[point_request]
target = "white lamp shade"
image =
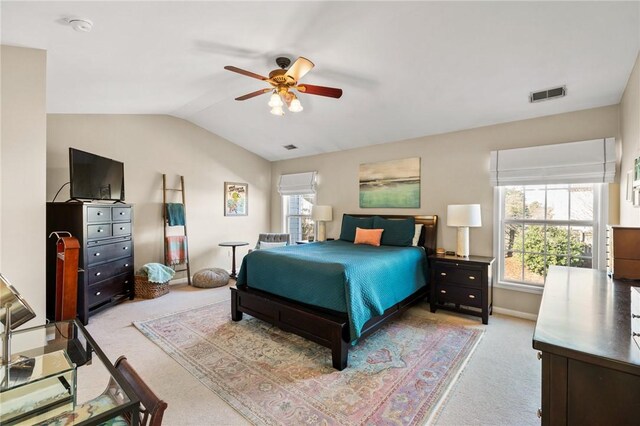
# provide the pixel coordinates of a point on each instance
(464, 215)
(322, 213)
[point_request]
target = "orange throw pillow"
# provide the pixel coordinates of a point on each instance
(368, 236)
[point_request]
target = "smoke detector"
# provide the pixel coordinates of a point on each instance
(81, 25)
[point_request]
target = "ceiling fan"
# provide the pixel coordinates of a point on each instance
(283, 81)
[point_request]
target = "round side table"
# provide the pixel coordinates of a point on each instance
(233, 245)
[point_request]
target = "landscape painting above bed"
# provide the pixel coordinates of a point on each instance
(390, 184)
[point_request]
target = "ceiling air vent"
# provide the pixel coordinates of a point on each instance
(290, 147)
(548, 94)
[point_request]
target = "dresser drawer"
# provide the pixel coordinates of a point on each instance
(98, 231)
(107, 270)
(121, 213)
(121, 229)
(105, 290)
(98, 214)
(446, 273)
(108, 252)
(459, 295)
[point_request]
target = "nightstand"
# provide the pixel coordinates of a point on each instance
(463, 284)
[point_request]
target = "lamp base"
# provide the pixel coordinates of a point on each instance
(462, 249)
(321, 231)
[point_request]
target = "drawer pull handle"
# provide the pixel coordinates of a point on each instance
(98, 293)
(125, 248)
(635, 316)
(471, 296)
(100, 229)
(126, 264)
(126, 282)
(539, 355)
(539, 413)
(472, 278)
(99, 213)
(122, 228)
(98, 274)
(444, 274)
(443, 291)
(96, 254)
(121, 213)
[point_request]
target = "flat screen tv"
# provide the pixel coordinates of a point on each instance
(95, 178)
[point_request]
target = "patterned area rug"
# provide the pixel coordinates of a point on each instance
(397, 376)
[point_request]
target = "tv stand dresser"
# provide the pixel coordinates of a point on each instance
(105, 266)
(590, 360)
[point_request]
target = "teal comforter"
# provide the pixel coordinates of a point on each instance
(359, 280)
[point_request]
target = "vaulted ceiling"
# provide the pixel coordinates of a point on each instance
(407, 69)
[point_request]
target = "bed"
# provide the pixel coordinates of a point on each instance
(335, 292)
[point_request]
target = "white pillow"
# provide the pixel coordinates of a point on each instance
(416, 235)
(264, 245)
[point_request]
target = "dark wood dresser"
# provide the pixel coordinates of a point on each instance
(105, 234)
(462, 284)
(590, 361)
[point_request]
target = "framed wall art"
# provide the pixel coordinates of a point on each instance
(236, 199)
(391, 184)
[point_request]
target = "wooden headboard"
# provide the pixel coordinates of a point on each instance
(428, 235)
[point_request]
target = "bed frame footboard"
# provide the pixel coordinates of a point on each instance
(329, 329)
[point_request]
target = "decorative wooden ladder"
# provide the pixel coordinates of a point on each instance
(165, 218)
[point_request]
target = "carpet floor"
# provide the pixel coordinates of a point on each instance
(397, 376)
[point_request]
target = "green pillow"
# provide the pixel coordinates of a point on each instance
(349, 224)
(397, 232)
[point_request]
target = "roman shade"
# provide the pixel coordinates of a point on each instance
(297, 184)
(592, 161)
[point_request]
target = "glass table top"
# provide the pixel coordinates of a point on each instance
(59, 376)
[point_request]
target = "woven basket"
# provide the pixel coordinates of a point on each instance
(147, 290)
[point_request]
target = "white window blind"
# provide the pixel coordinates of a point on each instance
(592, 161)
(297, 184)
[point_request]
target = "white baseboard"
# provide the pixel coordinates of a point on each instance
(517, 314)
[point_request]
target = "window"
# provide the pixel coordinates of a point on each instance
(297, 216)
(298, 192)
(544, 225)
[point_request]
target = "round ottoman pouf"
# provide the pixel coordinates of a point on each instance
(211, 277)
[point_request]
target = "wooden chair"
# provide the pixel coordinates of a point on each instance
(152, 408)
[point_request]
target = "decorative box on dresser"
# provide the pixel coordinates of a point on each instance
(590, 360)
(461, 283)
(623, 252)
(105, 266)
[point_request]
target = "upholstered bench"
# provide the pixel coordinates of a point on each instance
(210, 277)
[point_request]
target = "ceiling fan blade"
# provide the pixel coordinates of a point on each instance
(310, 89)
(253, 94)
(243, 72)
(299, 68)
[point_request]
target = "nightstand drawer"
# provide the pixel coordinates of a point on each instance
(446, 273)
(459, 295)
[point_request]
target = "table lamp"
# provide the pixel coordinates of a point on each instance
(321, 214)
(14, 311)
(463, 216)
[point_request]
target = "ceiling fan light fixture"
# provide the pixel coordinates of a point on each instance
(277, 110)
(295, 105)
(275, 101)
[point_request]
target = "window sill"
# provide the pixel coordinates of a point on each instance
(525, 288)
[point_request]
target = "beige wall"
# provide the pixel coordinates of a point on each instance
(22, 171)
(455, 170)
(630, 136)
(150, 145)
